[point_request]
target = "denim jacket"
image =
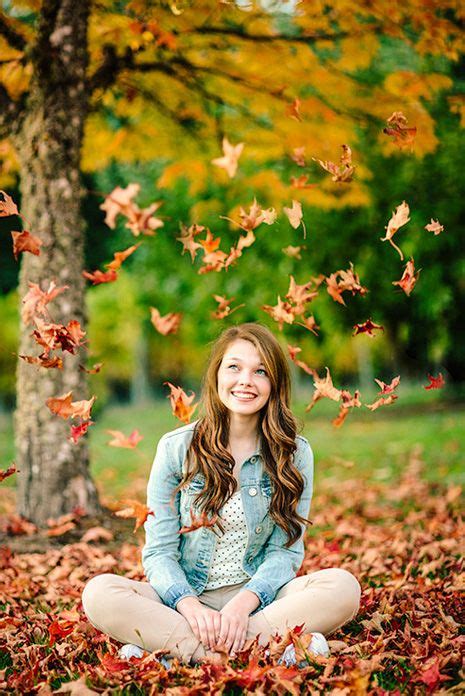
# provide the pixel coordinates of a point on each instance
(177, 566)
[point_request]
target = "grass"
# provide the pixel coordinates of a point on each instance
(369, 445)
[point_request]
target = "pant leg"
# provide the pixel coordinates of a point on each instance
(324, 600)
(132, 612)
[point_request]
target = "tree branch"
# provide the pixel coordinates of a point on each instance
(266, 38)
(15, 39)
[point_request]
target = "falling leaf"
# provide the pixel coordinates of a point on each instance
(293, 251)
(281, 313)
(310, 324)
(382, 402)
(93, 370)
(397, 129)
(137, 510)
(64, 407)
(294, 110)
(224, 307)
(8, 472)
(293, 350)
(409, 278)
(342, 281)
(43, 360)
(435, 382)
(187, 239)
(210, 243)
(388, 388)
(298, 155)
(53, 336)
(181, 403)
(7, 205)
(324, 388)
(120, 256)
(231, 154)
(343, 172)
(78, 431)
(301, 182)
(399, 218)
(294, 214)
(434, 226)
(98, 277)
(35, 300)
(300, 295)
(367, 327)
(165, 325)
(118, 202)
(126, 441)
(25, 241)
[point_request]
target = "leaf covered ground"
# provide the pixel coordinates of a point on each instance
(400, 539)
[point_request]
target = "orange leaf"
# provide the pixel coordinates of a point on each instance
(98, 277)
(282, 312)
(435, 382)
(137, 510)
(397, 128)
(120, 440)
(382, 402)
(7, 205)
(343, 172)
(409, 278)
(120, 256)
(399, 218)
(25, 241)
(434, 226)
(294, 214)
(181, 403)
(197, 522)
(231, 154)
(64, 407)
(44, 361)
(35, 300)
(165, 325)
(388, 388)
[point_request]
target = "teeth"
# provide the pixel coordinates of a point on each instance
(242, 395)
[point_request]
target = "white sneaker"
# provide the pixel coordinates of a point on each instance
(129, 650)
(318, 646)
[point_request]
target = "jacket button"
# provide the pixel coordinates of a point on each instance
(250, 559)
(258, 530)
(252, 491)
(253, 460)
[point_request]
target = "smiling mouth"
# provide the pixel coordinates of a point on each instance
(244, 396)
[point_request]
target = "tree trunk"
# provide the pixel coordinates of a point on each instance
(53, 472)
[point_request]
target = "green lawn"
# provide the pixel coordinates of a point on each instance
(369, 445)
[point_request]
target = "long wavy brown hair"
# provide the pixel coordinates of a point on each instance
(208, 454)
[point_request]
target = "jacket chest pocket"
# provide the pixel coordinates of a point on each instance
(190, 493)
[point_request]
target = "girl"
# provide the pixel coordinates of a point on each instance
(241, 479)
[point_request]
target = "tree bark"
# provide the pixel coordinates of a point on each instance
(53, 472)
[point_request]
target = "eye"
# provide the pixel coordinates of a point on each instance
(261, 369)
(233, 365)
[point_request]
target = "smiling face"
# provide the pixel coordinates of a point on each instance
(242, 380)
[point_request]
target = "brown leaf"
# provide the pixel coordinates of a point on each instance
(409, 278)
(434, 226)
(135, 509)
(231, 154)
(121, 440)
(166, 325)
(64, 407)
(397, 129)
(367, 327)
(181, 403)
(25, 241)
(342, 173)
(7, 205)
(399, 218)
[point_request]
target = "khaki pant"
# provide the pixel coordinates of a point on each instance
(132, 612)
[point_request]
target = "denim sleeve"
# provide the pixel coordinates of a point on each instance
(281, 564)
(160, 554)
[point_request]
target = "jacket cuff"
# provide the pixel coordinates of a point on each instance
(262, 589)
(176, 592)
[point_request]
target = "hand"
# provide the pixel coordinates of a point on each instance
(204, 622)
(233, 631)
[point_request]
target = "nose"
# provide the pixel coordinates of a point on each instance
(245, 379)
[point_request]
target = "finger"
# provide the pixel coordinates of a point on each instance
(203, 632)
(211, 632)
(217, 628)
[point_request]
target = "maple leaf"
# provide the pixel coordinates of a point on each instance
(293, 111)
(126, 441)
(43, 360)
(120, 256)
(434, 226)
(301, 182)
(231, 154)
(197, 522)
(298, 155)
(409, 278)
(254, 218)
(25, 241)
(399, 218)
(382, 402)
(35, 300)
(342, 281)
(293, 251)
(246, 241)
(367, 327)
(52, 336)
(78, 431)
(119, 201)
(343, 172)
(293, 350)
(5, 473)
(388, 388)
(210, 243)
(165, 325)
(435, 382)
(181, 403)
(282, 312)
(300, 295)
(294, 215)
(98, 277)
(432, 677)
(214, 261)
(187, 239)
(142, 221)
(135, 509)
(65, 407)
(224, 307)
(310, 324)
(397, 128)
(7, 205)
(93, 370)
(324, 388)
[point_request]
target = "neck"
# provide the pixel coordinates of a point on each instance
(243, 428)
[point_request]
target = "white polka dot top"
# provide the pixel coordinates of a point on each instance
(226, 566)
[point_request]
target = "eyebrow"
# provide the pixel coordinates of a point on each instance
(232, 358)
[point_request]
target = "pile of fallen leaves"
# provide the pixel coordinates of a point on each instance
(401, 540)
